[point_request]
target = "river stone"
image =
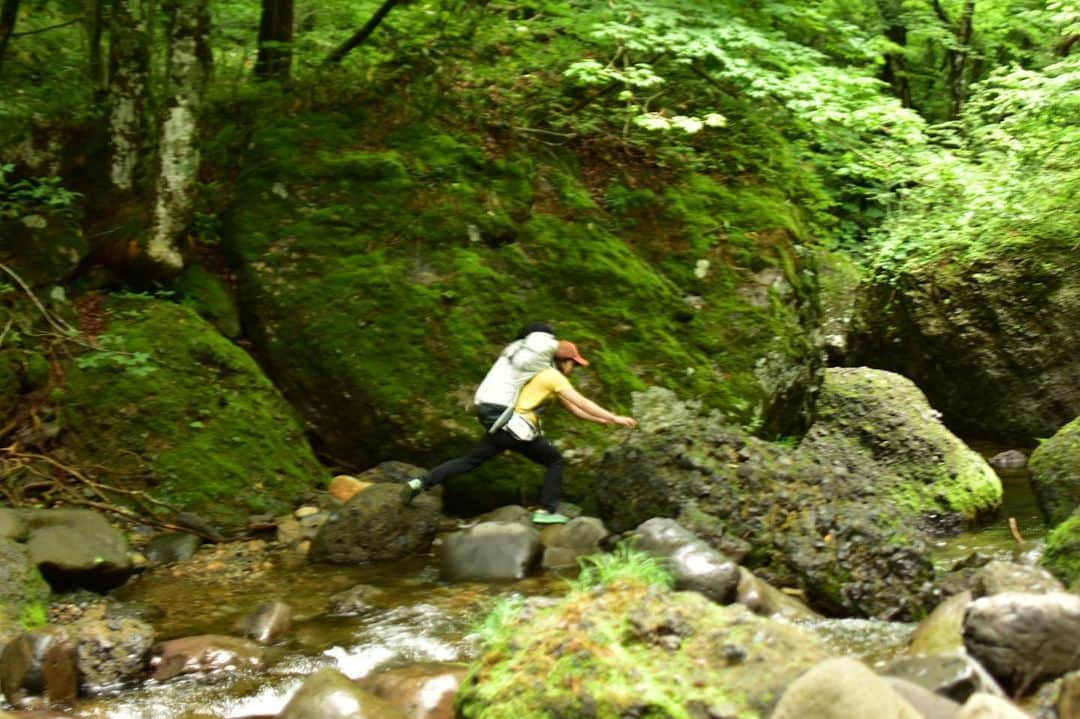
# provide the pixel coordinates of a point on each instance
(490, 551)
(343, 487)
(943, 631)
(764, 599)
(37, 665)
(76, 545)
(509, 513)
(1020, 638)
(693, 564)
(986, 706)
(955, 676)
(268, 623)
(1055, 474)
(1009, 459)
(422, 691)
(564, 544)
(999, 577)
(202, 654)
(110, 651)
(329, 694)
(842, 688)
(375, 526)
(172, 547)
(355, 600)
(924, 701)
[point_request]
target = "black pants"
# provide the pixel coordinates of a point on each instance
(538, 450)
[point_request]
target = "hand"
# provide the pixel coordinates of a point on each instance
(624, 421)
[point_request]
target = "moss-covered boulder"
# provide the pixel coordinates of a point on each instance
(989, 335)
(24, 594)
(211, 297)
(870, 415)
(634, 650)
(1055, 473)
(1062, 555)
(168, 406)
(845, 515)
(384, 265)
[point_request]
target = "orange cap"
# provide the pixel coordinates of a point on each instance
(568, 350)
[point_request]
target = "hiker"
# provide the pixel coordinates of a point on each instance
(521, 433)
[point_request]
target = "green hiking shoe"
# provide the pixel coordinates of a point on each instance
(542, 516)
(410, 490)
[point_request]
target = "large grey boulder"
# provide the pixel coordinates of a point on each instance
(375, 526)
(842, 689)
(490, 551)
(329, 694)
(693, 564)
(845, 516)
(988, 706)
(565, 544)
(926, 702)
(991, 341)
(1055, 473)
(1021, 638)
(76, 546)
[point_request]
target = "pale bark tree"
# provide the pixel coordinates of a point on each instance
(187, 71)
(129, 90)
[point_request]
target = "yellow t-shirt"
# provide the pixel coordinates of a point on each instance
(546, 384)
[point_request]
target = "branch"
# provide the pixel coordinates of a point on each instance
(40, 30)
(356, 40)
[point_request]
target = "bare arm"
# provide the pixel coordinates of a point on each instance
(583, 407)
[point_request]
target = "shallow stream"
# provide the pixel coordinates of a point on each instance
(418, 618)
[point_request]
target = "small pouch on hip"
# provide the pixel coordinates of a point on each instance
(521, 428)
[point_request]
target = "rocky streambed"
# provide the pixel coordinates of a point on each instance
(790, 573)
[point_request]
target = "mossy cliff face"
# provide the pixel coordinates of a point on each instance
(843, 516)
(169, 406)
(632, 650)
(381, 283)
(990, 340)
(1055, 473)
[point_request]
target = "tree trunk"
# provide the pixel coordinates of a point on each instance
(275, 40)
(129, 90)
(362, 34)
(958, 59)
(9, 15)
(95, 13)
(895, 70)
(188, 66)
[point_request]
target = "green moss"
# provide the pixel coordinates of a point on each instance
(211, 298)
(1055, 473)
(173, 408)
(632, 649)
(1062, 556)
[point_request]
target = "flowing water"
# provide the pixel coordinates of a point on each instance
(418, 618)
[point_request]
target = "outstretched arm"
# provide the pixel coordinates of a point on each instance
(583, 407)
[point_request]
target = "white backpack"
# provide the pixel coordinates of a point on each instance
(517, 364)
